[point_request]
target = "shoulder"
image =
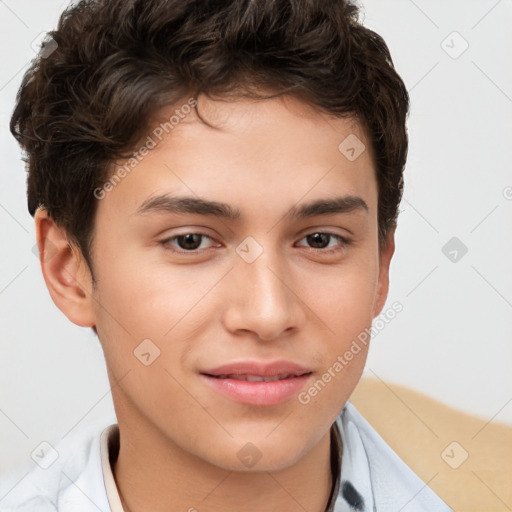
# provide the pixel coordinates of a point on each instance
(66, 477)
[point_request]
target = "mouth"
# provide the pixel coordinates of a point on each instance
(258, 384)
(258, 378)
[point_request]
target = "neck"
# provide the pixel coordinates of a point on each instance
(151, 473)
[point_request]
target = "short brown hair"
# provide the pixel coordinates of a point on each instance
(115, 62)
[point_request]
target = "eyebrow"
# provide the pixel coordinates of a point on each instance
(196, 205)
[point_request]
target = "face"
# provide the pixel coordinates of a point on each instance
(233, 267)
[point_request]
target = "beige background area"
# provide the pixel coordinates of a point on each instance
(465, 460)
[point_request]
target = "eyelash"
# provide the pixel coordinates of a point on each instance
(345, 243)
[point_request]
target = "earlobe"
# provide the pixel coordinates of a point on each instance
(385, 256)
(65, 271)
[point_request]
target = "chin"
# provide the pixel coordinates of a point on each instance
(255, 457)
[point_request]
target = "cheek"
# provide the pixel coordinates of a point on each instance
(154, 300)
(343, 297)
(343, 300)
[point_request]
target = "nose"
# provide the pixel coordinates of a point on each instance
(262, 300)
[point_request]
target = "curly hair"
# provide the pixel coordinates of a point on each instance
(114, 63)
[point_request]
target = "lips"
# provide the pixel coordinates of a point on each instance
(256, 378)
(256, 383)
(282, 369)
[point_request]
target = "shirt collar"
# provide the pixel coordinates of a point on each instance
(353, 489)
(109, 447)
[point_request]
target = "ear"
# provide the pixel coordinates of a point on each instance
(65, 271)
(385, 255)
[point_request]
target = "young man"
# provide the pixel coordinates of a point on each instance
(215, 187)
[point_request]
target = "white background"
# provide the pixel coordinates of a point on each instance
(452, 340)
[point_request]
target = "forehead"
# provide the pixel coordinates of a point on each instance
(256, 122)
(265, 152)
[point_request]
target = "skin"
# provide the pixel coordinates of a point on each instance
(179, 437)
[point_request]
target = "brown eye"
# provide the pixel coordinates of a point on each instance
(187, 243)
(318, 240)
(326, 242)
